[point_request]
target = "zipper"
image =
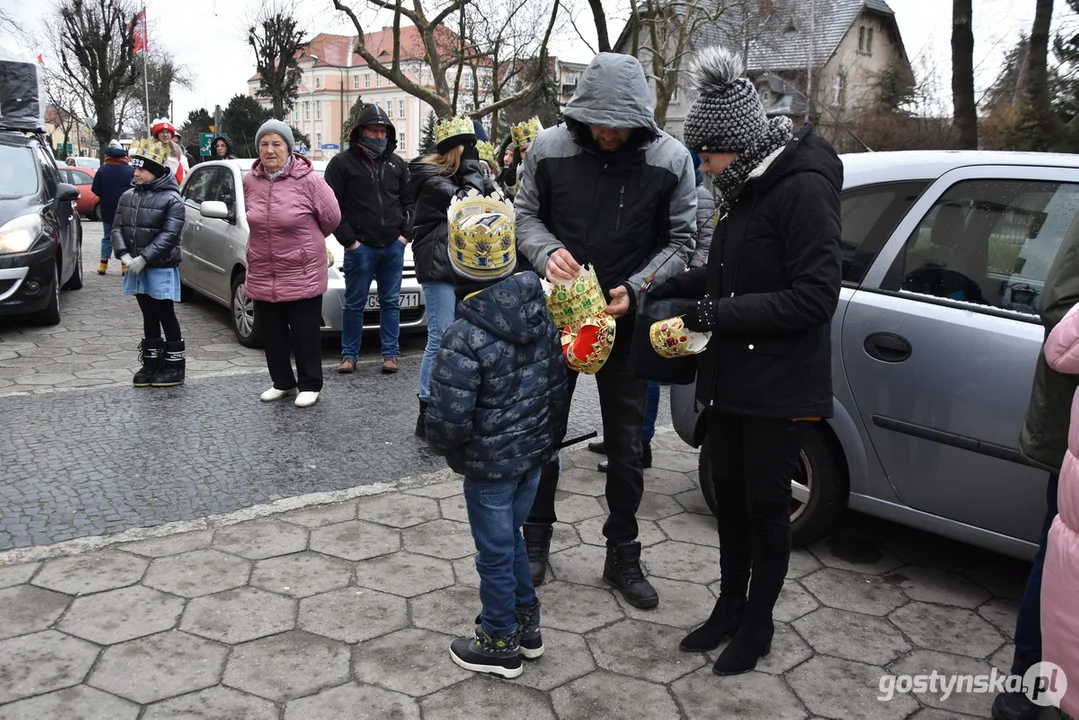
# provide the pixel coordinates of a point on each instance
(135, 224)
(621, 204)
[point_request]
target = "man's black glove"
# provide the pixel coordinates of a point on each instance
(689, 284)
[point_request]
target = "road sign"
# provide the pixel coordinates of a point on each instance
(330, 146)
(205, 140)
(303, 149)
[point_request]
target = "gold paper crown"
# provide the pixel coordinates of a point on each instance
(452, 127)
(524, 133)
(573, 302)
(149, 149)
(588, 344)
(486, 151)
(670, 339)
(482, 241)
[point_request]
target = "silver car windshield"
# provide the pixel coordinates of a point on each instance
(18, 176)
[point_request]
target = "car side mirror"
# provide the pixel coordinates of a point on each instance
(66, 192)
(214, 209)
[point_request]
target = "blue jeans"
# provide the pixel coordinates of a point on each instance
(384, 266)
(441, 305)
(106, 242)
(651, 411)
(1028, 624)
(496, 511)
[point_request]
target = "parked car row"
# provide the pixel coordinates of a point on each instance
(934, 344)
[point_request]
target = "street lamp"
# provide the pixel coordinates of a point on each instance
(311, 137)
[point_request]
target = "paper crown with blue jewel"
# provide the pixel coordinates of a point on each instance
(486, 151)
(524, 133)
(454, 131)
(482, 240)
(149, 151)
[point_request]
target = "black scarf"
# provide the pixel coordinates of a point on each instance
(731, 180)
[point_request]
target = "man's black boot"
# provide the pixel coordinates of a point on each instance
(622, 570)
(538, 546)
(1016, 705)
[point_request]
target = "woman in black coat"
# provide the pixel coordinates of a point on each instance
(767, 296)
(433, 182)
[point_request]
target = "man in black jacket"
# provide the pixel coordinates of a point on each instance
(371, 185)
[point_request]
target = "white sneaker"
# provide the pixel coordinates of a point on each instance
(306, 399)
(274, 394)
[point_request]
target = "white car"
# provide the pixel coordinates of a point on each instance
(215, 247)
(83, 162)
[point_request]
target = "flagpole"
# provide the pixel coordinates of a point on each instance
(145, 51)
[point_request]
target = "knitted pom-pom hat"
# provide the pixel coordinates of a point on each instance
(728, 115)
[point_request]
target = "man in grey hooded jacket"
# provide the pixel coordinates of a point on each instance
(609, 189)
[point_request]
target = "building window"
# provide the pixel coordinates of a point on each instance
(367, 80)
(306, 110)
(378, 81)
(839, 90)
(401, 108)
(468, 80)
(318, 109)
(318, 82)
(318, 140)
(861, 38)
(355, 82)
(869, 41)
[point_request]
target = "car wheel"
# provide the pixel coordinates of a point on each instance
(244, 320)
(818, 491)
(51, 314)
(75, 281)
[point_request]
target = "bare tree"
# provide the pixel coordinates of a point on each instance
(64, 107)
(277, 36)
(443, 50)
(964, 110)
(96, 47)
(1037, 78)
(162, 72)
(8, 23)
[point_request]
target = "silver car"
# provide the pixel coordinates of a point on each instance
(934, 344)
(215, 246)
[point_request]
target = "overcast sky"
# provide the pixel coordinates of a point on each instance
(207, 37)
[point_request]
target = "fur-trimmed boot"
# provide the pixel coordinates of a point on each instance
(151, 353)
(172, 367)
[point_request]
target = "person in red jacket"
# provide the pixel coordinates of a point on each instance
(290, 211)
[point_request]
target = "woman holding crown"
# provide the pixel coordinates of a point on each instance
(434, 181)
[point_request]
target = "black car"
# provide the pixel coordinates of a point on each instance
(40, 232)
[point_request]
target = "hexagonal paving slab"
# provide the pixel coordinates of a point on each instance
(581, 565)
(413, 662)
(794, 602)
(347, 700)
(924, 662)
(464, 572)
(91, 572)
(353, 614)
(583, 481)
(753, 695)
(864, 638)
(576, 608)
(690, 528)
(215, 703)
(667, 482)
(40, 663)
(591, 532)
(937, 586)
(682, 605)
(301, 574)
(845, 590)
(444, 539)
(196, 573)
(171, 544)
(683, 561)
(26, 609)
(355, 540)
(11, 575)
(236, 616)
(802, 563)
(643, 650)
(836, 688)
(606, 696)
(1002, 613)
(287, 666)
(450, 610)
(120, 615)
(438, 490)
(573, 508)
(565, 657)
(477, 697)
(948, 629)
(683, 460)
(321, 515)
(453, 508)
(788, 650)
(397, 509)
(405, 574)
(73, 703)
(159, 666)
(261, 539)
(854, 555)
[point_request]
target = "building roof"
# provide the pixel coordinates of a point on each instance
(791, 32)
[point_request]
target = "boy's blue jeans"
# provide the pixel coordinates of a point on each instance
(496, 511)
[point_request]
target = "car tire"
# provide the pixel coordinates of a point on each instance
(245, 321)
(51, 314)
(75, 281)
(823, 477)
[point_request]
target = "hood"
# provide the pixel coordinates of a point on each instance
(512, 309)
(420, 172)
(300, 166)
(112, 160)
(1062, 347)
(374, 115)
(613, 93)
(228, 145)
(163, 184)
(806, 152)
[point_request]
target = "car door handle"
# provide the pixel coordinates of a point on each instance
(887, 347)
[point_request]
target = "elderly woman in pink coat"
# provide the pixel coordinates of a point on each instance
(290, 211)
(1060, 578)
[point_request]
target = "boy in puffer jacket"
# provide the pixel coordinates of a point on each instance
(498, 399)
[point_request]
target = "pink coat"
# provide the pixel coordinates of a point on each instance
(1060, 580)
(289, 219)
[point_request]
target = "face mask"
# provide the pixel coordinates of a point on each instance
(376, 146)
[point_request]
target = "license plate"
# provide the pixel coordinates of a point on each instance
(408, 301)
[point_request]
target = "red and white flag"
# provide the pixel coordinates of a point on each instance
(142, 43)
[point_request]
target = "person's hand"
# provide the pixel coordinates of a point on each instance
(669, 288)
(137, 265)
(353, 246)
(402, 239)
(126, 258)
(561, 267)
(620, 302)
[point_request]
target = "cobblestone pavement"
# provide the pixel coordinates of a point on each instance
(345, 610)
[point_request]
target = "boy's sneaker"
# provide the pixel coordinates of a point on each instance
(485, 654)
(528, 630)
